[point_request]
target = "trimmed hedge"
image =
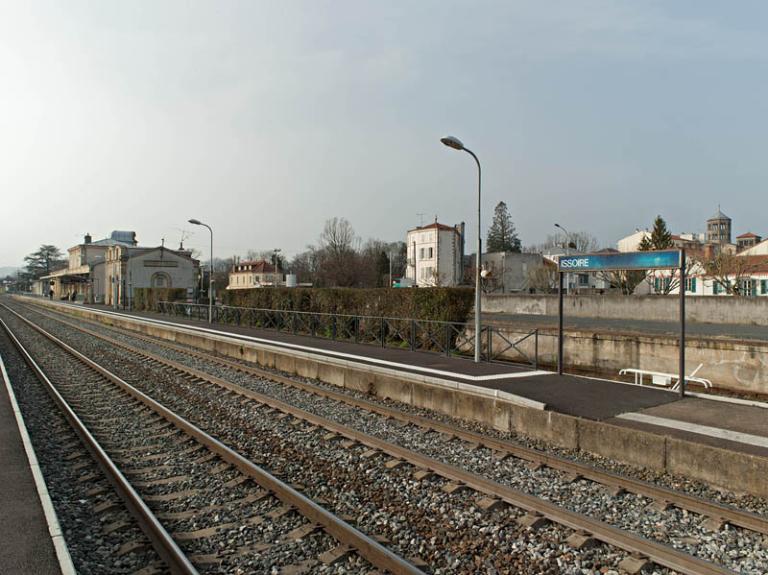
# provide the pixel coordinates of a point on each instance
(437, 304)
(147, 298)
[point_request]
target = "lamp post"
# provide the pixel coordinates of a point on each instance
(456, 144)
(275, 253)
(566, 245)
(210, 278)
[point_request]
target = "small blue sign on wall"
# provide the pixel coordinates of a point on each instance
(623, 261)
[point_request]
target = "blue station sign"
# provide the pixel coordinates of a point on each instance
(662, 259)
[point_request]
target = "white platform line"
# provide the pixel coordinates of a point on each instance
(54, 528)
(715, 432)
(319, 351)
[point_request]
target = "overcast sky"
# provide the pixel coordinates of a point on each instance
(264, 119)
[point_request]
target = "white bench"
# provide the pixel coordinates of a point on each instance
(665, 379)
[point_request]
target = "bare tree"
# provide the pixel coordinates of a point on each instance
(338, 237)
(730, 270)
(584, 242)
(543, 277)
(337, 256)
(623, 280)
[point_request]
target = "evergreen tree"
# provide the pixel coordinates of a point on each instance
(502, 236)
(45, 260)
(660, 238)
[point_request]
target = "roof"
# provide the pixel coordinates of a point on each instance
(260, 266)
(719, 215)
(435, 226)
(109, 242)
(747, 235)
(751, 264)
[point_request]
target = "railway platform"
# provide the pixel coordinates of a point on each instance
(27, 525)
(711, 420)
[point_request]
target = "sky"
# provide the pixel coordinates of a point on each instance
(264, 119)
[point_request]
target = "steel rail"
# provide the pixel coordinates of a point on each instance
(658, 553)
(161, 540)
(370, 549)
(717, 511)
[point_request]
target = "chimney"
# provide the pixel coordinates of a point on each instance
(87, 239)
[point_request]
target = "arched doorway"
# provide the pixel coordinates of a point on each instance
(161, 280)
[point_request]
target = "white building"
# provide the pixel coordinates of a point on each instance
(760, 249)
(435, 254)
(749, 279)
(254, 274)
(631, 243)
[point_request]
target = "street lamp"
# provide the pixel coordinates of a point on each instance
(275, 253)
(210, 278)
(568, 244)
(456, 144)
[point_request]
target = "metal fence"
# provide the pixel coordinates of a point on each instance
(453, 339)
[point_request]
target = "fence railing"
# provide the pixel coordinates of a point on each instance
(453, 339)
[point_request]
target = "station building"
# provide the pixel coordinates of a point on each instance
(108, 270)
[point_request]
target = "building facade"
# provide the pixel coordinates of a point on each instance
(74, 281)
(508, 272)
(435, 254)
(746, 241)
(127, 268)
(254, 274)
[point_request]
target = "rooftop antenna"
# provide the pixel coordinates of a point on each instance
(184, 235)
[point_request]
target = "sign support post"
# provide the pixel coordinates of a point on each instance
(650, 260)
(682, 324)
(560, 324)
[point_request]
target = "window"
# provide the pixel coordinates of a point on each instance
(583, 280)
(690, 285)
(421, 253)
(748, 287)
(718, 288)
(764, 287)
(430, 253)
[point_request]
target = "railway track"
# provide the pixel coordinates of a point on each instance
(585, 529)
(182, 477)
(717, 515)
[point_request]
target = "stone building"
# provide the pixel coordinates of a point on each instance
(719, 228)
(74, 281)
(126, 268)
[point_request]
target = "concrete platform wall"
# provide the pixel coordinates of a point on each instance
(701, 309)
(719, 467)
(736, 366)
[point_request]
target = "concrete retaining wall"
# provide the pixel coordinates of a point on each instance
(700, 309)
(738, 366)
(731, 470)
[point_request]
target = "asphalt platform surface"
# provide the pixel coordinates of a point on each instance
(26, 547)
